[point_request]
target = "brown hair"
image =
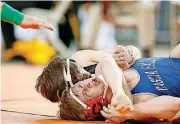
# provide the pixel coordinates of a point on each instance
(71, 109)
(52, 81)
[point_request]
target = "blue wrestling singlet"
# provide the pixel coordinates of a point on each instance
(159, 76)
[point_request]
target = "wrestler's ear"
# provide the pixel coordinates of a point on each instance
(86, 75)
(59, 99)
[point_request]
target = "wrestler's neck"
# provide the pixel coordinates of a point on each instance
(109, 95)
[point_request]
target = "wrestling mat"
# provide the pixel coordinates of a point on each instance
(21, 104)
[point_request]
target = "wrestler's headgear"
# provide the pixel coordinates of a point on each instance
(94, 106)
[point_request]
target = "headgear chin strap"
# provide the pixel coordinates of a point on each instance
(94, 106)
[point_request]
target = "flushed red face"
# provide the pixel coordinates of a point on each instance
(90, 91)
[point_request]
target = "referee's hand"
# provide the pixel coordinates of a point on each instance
(34, 23)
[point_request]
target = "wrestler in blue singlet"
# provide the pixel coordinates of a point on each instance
(159, 76)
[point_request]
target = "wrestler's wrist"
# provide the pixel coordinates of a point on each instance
(105, 53)
(99, 56)
(130, 116)
(118, 92)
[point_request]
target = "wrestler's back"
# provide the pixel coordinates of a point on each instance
(152, 77)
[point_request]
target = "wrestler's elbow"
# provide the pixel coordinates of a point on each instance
(77, 55)
(81, 57)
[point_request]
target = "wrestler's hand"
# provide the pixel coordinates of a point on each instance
(113, 115)
(122, 57)
(34, 23)
(122, 100)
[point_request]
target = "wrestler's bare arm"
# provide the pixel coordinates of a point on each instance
(175, 52)
(162, 107)
(89, 57)
(111, 73)
(114, 77)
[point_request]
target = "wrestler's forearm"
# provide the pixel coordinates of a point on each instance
(163, 107)
(89, 57)
(112, 74)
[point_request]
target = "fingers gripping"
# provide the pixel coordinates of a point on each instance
(112, 115)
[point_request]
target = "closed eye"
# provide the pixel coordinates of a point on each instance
(89, 85)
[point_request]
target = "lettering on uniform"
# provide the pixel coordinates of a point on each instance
(155, 78)
(148, 65)
(152, 73)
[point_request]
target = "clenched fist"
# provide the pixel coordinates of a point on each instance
(122, 57)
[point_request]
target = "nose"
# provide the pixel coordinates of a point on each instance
(89, 86)
(86, 88)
